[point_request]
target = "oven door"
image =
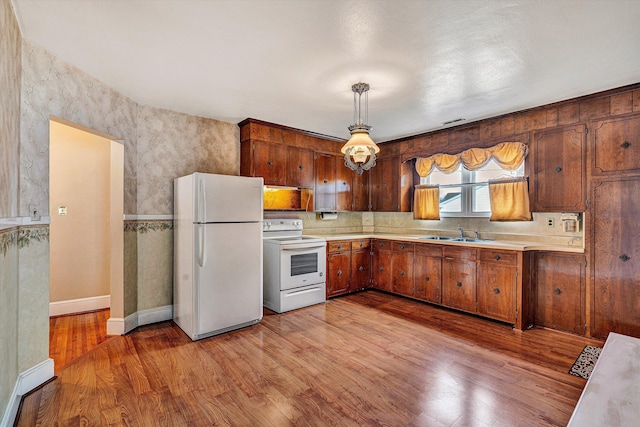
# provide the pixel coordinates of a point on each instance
(302, 264)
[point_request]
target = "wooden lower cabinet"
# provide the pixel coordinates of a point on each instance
(360, 269)
(497, 279)
(459, 283)
(348, 266)
(402, 268)
(381, 265)
(559, 291)
(338, 273)
(427, 273)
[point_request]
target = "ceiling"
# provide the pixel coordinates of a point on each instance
(293, 62)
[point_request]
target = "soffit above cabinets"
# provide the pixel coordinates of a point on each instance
(293, 62)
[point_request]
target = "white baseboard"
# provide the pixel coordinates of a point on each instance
(120, 326)
(155, 315)
(79, 305)
(27, 381)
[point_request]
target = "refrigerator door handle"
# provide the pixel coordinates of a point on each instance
(202, 246)
(203, 202)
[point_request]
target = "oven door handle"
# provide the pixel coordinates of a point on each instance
(301, 247)
(306, 291)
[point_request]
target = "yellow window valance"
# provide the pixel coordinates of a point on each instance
(509, 155)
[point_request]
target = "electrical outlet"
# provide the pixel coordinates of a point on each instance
(33, 213)
(550, 222)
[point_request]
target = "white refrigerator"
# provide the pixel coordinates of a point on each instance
(217, 272)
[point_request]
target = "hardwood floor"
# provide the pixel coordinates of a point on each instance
(365, 359)
(71, 336)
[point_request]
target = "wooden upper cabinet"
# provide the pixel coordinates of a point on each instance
(559, 176)
(384, 185)
(616, 257)
(344, 185)
(299, 167)
(615, 145)
(267, 160)
(325, 183)
(559, 288)
(361, 191)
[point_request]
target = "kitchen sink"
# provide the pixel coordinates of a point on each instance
(437, 238)
(468, 239)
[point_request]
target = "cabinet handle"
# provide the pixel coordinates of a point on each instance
(426, 278)
(497, 257)
(301, 167)
(624, 257)
(401, 245)
(401, 273)
(339, 272)
(340, 246)
(459, 284)
(558, 169)
(270, 163)
(381, 268)
(361, 244)
(384, 184)
(325, 181)
(361, 268)
(496, 291)
(557, 291)
(625, 144)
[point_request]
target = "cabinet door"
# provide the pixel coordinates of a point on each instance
(459, 284)
(427, 271)
(360, 269)
(559, 173)
(381, 268)
(325, 182)
(559, 283)
(616, 145)
(385, 185)
(497, 291)
(270, 162)
(338, 273)
(402, 273)
(299, 167)
(361, 192)
(616, 256)
(344, 185)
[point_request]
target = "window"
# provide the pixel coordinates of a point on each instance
(472, 197)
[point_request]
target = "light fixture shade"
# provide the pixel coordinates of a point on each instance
(360, 151)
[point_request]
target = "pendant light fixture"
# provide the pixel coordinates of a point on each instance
(360, 151)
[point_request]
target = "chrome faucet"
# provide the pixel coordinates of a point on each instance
(477, 235)
(461, 231)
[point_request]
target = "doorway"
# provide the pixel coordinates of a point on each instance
(86, 206)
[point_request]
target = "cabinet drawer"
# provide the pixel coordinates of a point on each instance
(498, 256)
(457, 252)
(428, 250)
(402, 246)
(383, 245)
(339, 246)
(360, 244)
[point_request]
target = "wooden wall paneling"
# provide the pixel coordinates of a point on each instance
(595, 108)
(616, 257)
(622, 103)
(636, 101)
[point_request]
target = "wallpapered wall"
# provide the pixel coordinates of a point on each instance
(160, 145)
(9, 155)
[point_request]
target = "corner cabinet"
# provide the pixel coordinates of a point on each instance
(559, 176)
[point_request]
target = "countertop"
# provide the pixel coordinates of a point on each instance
(612, 394)
(492, 244)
